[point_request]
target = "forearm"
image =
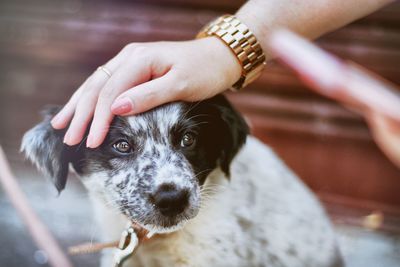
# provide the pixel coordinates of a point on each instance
(310, 19)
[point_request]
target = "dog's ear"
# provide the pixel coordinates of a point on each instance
(44, 146)
(231, 131)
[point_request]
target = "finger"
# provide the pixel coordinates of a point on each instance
(83, 114)
(64, 116)
(386, 132)
(84, 111)
(376, 93)
(124, 78)
(148, 95)
(333, 78)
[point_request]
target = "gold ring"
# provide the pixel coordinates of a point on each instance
(105, 70)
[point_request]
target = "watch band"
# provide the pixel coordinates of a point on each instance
(242, 42)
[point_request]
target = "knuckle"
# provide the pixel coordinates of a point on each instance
(180, 86)
(75, 96)
(80, 112)
(87, 93)
(87, 99)
(106, 93)
(141, 52)
(149, 99)
(129, 47)
(90, 83)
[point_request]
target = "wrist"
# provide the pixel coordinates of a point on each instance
(225, 60)
(242, 43)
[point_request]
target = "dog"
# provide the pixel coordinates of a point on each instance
(191, 173)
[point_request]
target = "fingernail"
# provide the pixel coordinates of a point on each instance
(66, 138)
(89, 142)
(122, 106)
(308, 60)
(55, 120)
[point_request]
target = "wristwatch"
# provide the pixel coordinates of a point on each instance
(242, 42)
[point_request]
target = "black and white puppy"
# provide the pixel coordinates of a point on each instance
(192, 173)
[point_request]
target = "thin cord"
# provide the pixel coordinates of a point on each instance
(37, 229)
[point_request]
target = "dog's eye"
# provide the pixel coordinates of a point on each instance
(122, 147)
(188, 140)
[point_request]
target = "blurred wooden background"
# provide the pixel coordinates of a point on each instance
(47, 49)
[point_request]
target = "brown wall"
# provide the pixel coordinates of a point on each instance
(47, 48)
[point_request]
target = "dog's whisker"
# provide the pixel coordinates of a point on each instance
(191, 108)
(203, 171)
(193, 126)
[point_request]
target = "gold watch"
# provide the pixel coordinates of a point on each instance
(242, 43)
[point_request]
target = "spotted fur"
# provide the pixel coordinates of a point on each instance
(262, 215)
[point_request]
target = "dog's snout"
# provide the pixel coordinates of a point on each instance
(170, 200)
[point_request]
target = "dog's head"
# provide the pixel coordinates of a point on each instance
(151, 166)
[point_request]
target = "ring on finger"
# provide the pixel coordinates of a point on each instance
(105, 70)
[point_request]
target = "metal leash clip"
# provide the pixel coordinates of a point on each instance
(127, 244)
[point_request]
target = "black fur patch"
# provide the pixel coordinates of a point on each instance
(220, 132)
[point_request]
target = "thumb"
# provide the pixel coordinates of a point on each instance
(146, 96)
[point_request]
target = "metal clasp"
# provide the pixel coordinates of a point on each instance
(126, 246)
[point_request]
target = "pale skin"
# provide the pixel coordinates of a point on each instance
(145, 75)
(358, 89)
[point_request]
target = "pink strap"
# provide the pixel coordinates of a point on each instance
(38, 230)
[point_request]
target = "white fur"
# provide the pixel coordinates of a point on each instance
(264, 216)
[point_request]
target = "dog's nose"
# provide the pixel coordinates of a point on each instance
(169, 200)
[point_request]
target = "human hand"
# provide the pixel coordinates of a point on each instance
(377, 100)
(143, 76)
